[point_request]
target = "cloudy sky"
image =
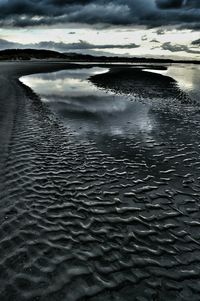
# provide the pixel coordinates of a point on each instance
(151, 28)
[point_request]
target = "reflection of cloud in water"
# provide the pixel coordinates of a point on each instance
(115, 123)
(86, 109)
(90, 104)
(187, 77)
(91, 109)
(112, 115)
(66, 83)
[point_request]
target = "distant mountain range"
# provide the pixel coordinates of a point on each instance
(35, 54)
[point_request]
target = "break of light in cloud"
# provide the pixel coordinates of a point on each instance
(136, 28)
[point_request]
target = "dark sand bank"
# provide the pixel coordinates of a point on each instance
(142, 83)
(88, 221)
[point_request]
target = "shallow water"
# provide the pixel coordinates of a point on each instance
(187, 77)
(102, 196)
(90, 112)
(99, 114)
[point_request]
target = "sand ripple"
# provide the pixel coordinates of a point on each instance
(81, 223)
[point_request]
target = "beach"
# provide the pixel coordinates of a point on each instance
(99, 190)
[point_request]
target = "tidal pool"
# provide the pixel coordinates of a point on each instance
(112, 119)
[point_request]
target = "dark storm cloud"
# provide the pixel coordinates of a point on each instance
(178, 48)
(112, 12)
(169, 3)
(63, 47)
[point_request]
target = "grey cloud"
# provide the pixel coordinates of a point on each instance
(112, 12)
(160, 31)
(64, 47)
(7, 45)
(154, 41)
(169, 3)
(179, 48)
(82, 45)
(86, 45)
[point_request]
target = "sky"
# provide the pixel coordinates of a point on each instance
(144, 28)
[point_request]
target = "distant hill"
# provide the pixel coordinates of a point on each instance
(37, 54)
(112, 59)
(118, 59)
(29, 54)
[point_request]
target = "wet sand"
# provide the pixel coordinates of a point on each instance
(104, 217)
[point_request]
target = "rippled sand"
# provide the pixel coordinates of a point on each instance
(99, 217)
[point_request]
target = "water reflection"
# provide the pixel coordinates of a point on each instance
(65, 84)
(187, 77)
(93, 111)
(86, 109)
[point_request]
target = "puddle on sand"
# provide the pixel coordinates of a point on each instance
(90, 112)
